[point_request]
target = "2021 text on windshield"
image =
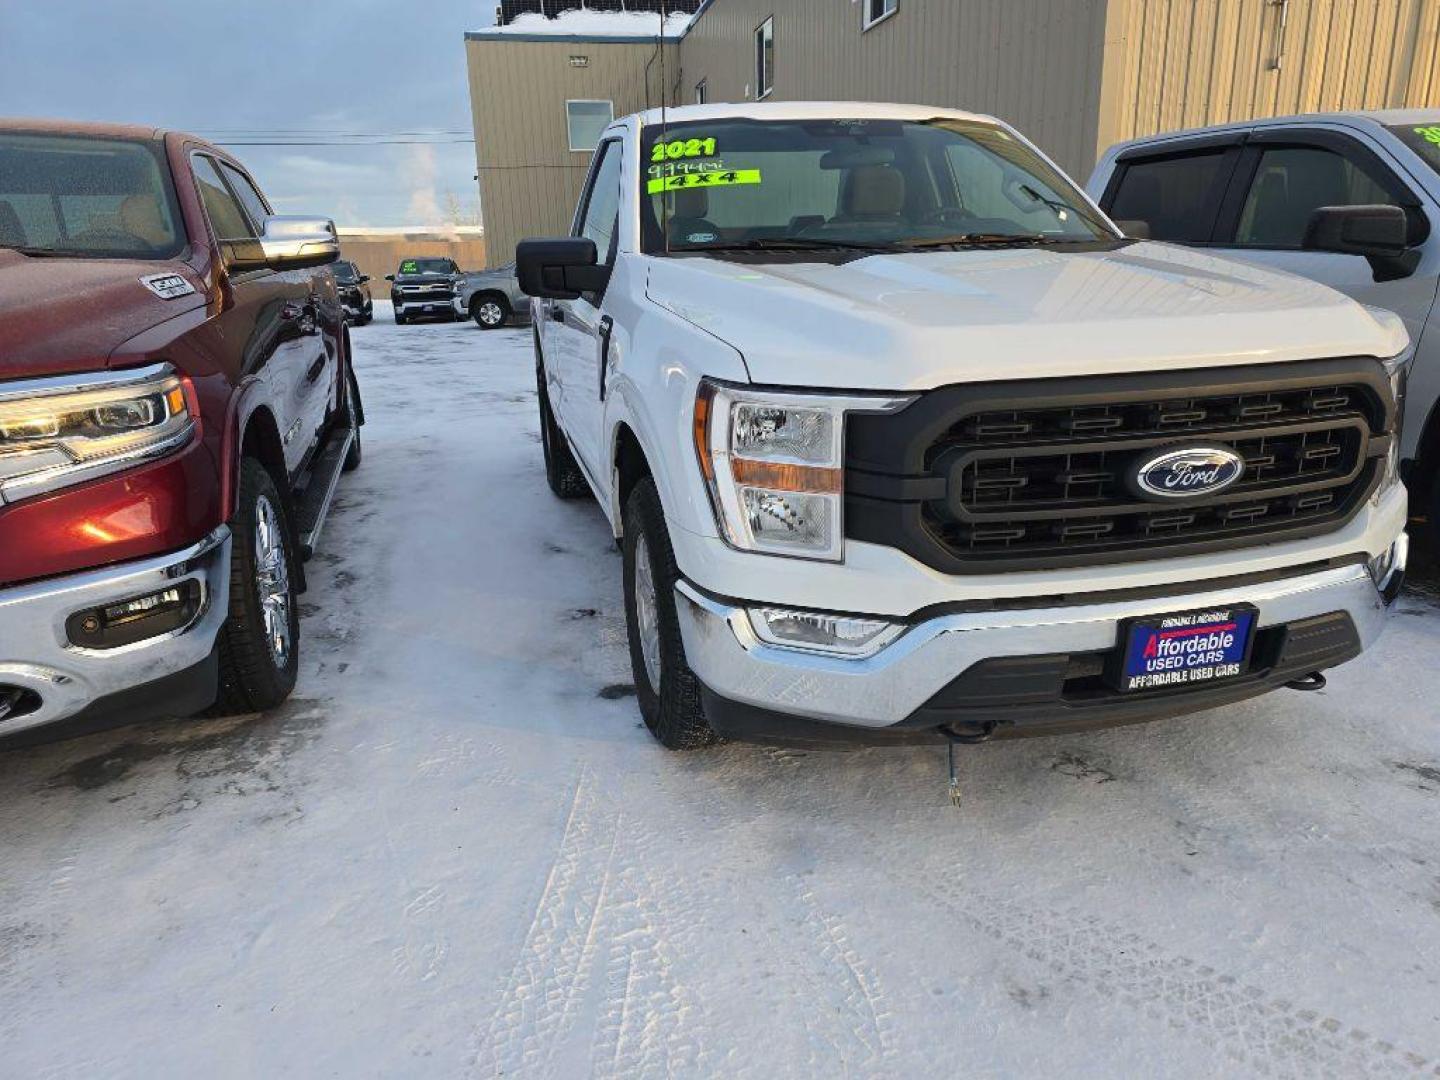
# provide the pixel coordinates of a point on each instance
(865, 184)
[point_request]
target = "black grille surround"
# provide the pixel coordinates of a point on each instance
(1005, 476)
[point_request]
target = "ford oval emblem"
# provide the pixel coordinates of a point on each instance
(1188, 472)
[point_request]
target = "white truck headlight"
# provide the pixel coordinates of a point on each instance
(66, 430)
(774, 465)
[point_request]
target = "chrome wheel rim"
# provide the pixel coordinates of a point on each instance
(490, 313)
(272, 580)
(647, 613)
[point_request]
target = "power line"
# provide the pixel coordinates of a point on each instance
(506, 168)
(329, 133)
(355, 145)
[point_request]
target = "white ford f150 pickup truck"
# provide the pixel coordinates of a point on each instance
(904, 440)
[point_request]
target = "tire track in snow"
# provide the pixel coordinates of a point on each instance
(866, 1039)
(1268, 1034)
(651, 1021)
(540, 997)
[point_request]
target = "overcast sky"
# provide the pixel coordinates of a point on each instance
(217, 67)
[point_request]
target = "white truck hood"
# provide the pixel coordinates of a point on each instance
(916, 321)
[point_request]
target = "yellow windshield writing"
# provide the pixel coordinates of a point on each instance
(711, 179)
(682, 148)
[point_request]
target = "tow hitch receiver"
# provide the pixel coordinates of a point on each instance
(1313, 681)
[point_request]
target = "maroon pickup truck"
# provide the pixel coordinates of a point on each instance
(177, 404)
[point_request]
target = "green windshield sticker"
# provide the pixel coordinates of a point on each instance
(713, 179)
(1430, 133)
(682, 148)
(409, 268)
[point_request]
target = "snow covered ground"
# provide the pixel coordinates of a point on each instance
(457, 852)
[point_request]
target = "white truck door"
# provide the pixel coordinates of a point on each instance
(579, 328)
(1287, 174)
(1249, 195)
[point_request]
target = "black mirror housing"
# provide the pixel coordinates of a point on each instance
(559, 268)
(1381, 234)
(389, 277)
(364, 278)
(1358, 230)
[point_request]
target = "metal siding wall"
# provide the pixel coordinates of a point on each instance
(1189, 63)
(1034, 63)
(529, 178)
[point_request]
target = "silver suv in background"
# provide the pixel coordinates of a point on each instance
(491, 297)
(1350, 200)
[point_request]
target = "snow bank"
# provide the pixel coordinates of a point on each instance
(581, 23)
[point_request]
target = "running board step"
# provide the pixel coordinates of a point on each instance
(314, 503)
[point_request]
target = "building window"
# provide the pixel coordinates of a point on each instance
(702, 93)
(765, 58)
(586, 121)
(878, 11)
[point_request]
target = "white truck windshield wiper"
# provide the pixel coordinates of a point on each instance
(979, 239)
(789, 243)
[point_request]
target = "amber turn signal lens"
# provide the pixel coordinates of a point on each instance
(702, 430)
(780, 477)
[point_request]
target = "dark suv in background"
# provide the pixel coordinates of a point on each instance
(424, 288)
(354, 290)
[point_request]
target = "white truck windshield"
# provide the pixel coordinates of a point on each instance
(744, 183)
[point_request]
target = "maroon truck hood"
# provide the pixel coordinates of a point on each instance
(64, 315)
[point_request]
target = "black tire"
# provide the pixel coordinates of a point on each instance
(254, 674)
(672, 711)
(491, 311)
(1429, 548)
(399, 319)
(562, 472)
(354, 455)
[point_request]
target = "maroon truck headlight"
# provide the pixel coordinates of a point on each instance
(66, 430)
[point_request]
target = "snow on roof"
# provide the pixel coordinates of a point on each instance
(579, 23)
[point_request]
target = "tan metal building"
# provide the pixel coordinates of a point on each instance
(524, 92)
(378, 252)
(1074, 75)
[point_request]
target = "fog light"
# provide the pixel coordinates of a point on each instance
(141, 617)
(844, 635)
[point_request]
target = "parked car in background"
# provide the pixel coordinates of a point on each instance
(424, 288)
(904, 440)
(1348, 199)
(354, 290)
(492, 297)
(176, 405)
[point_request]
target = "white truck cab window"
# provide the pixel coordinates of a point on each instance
(602, 204)
(1290, 184)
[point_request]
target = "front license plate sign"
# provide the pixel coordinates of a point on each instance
(1185, 649)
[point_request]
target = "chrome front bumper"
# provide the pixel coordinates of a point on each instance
(883, 690)
(433, 304)
(36, 653)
